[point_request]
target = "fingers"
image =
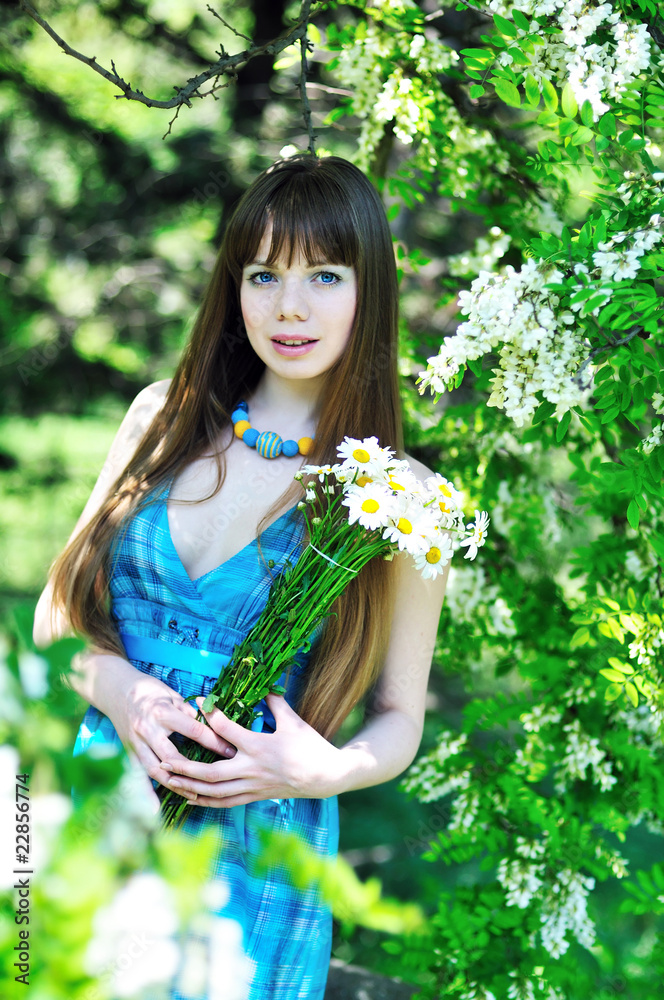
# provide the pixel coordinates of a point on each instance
(231, 732)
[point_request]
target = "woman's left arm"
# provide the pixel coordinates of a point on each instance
(296, 761)
(387, 744)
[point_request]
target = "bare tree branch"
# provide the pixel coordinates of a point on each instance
(227, 25)
(577, 377)
(306, 107)
(226, 64)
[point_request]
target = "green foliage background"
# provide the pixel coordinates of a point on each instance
(107, 235)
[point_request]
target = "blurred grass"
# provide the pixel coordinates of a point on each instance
(48, 467)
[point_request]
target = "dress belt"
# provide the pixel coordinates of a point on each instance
(171, 654)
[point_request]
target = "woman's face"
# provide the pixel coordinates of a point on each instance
(298, 318)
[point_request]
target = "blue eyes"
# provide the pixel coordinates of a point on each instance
(266, 277)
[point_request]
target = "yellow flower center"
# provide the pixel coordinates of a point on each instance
(480, 536)
(361, 456)
(363, 480)
(443, 506)
(445, 490)
(433, 555)
(404, 526)
(395, 485)
(370, 506)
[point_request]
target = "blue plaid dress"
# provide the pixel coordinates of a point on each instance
(287, 932)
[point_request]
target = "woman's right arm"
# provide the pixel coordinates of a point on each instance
(50, 625)
(144, 711)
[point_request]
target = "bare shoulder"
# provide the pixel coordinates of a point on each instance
(146, 404)
(420, 470)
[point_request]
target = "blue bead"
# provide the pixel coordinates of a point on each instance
(238, 414)
(269, 444)
(250, 437)
(242, 406)
(290, 448)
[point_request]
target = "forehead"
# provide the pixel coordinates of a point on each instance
(284, 253)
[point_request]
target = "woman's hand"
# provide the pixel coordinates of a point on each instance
(145, 716)
(293, 762)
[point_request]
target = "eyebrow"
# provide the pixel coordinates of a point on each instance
(315, 263)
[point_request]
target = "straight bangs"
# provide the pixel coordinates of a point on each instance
(316, 220)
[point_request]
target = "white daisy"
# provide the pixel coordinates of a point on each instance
(448, 500)
(367, 456)
(411, 526)
(401, 479)
(478, 536)
(372, 505)
(432, 563)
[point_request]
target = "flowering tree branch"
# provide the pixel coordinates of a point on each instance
(227, 64)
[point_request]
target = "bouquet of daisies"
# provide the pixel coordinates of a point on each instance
(368, 505)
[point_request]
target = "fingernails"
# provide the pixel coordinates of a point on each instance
(229, 751)
(174, 784)
(166, 766)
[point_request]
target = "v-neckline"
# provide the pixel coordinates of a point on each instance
(225, 562)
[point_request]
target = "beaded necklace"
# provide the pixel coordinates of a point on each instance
(267, 443)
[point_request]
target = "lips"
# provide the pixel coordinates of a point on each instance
(292, 347)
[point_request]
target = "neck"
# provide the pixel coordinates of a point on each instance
(290, 401)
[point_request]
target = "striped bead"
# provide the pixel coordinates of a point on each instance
(269, 444)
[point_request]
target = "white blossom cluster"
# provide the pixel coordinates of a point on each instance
(464, 810)
(597, 50)
(382, 96)
(428, 775)
(654, 439)
(486, 253)
(540, 716)
(540, 343)
(583, 751)
(563, 900)
(524, 988)
(644, 646)
(540, 347)
(134, 936)
(564, 911)
(473, 991)
(470, 597)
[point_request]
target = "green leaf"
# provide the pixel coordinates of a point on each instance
(209, 703)
(582, 135)
(587, 114)
(561, 429)
(580, 638)
(607, 124)
(521, 20)
(508, 93)
(633, 514)
(476, 90)
(549, 94)
(568, 101)
(612, 675)
(612, 692)
(632, 693)
(504, 26)
(624, 668)
(567, 127)
(483, 55)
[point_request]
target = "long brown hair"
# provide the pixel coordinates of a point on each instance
(321, 207)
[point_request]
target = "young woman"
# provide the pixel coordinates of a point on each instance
(173, 556)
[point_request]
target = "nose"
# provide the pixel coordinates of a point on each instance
(292, 301)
